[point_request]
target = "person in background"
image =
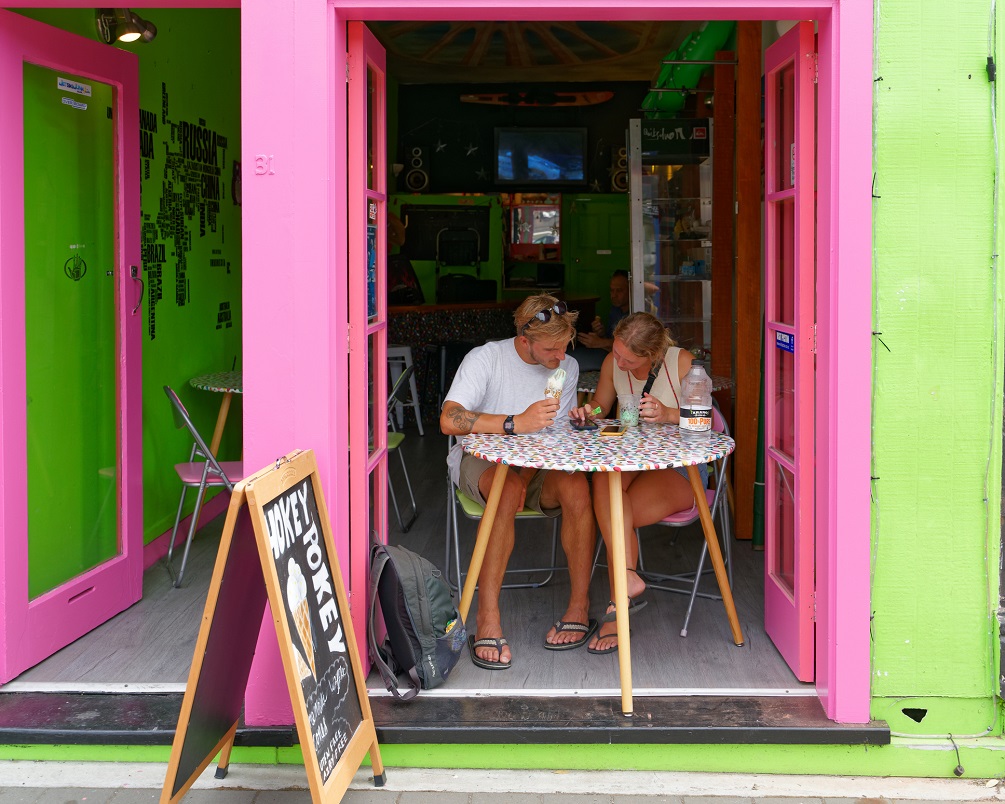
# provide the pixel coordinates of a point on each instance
(601, 337)
(642, 349)
(499, 388)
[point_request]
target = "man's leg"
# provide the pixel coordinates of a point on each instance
(488, 621)
(571, 493)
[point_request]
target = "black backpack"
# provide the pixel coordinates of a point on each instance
(425, 634)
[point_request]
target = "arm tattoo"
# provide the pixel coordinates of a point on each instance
(463, 419)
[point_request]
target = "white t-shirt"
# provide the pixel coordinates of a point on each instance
(494, 379)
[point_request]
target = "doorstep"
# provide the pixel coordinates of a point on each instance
(51, 718)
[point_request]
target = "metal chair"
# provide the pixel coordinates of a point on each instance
(687, 583)
(202, 471)
(394, 440)
(458, 500)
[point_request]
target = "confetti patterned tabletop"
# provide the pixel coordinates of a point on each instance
(222, 382)
(642, 448)
(588, 382)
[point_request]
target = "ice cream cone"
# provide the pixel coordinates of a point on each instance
(302, 617)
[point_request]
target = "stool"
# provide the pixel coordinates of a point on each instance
(399, 358)
(449, 355)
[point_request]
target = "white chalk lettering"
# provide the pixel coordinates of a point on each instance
(328, 612)
(337, 644)
(321, 580)
(314, 555)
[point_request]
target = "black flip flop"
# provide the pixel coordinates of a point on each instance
(612, 649)
(634, 604)
(560, 626)
(487, 642)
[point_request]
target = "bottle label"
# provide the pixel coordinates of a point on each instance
(696, 420)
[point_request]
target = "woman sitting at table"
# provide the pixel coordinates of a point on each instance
(644, 360)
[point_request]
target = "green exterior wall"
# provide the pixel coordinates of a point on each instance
(189, 77)
(937, 427)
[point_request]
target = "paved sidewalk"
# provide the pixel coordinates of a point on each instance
(140, 783)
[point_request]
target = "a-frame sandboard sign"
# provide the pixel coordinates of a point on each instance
(277, 547)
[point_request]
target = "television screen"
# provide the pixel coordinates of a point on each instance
(540, 156)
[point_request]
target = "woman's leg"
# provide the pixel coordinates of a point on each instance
(648, 498)
(602, 509)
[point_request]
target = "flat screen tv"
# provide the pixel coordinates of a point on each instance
(540, 157)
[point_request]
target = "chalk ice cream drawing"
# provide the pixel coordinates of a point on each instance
(296, 598)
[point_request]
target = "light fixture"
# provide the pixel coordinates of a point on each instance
(122, 25)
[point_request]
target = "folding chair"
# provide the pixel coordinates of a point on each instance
(459, 501)
(394, 439)
(687, 583)
(202, 471)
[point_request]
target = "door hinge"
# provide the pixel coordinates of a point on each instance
(813, 597)
(814, 337)
(347, 71)
(348, 338)
(816, 67)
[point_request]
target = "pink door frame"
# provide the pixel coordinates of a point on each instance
(32, 630)
(295, 269)
(298, 217)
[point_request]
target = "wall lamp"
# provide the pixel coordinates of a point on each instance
(122, 25)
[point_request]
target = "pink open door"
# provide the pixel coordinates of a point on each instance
(789, 176)
(367, 310)
(71, 492)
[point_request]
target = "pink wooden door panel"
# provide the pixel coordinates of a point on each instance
(34, 624)
(789, 175)
(367, 310)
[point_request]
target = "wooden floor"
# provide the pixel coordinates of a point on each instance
(150, 646)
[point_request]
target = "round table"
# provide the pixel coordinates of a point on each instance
(643, 448)
(227, 383)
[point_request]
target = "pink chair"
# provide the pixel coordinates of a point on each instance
(202, 471)
(687, 583)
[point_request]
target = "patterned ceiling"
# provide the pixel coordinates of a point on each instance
(504, 52)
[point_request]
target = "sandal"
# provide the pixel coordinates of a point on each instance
(634, 604)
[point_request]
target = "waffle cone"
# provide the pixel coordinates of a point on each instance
(301, 616)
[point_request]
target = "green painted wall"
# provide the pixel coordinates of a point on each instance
(190, 140)
(937, 428)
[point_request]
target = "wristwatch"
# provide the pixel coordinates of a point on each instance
(508, 427)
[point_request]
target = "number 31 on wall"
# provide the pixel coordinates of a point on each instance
(264, 165)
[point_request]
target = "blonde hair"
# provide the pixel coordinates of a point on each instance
(560, 325)
(644, 335)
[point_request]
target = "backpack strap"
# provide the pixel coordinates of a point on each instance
(378, 559)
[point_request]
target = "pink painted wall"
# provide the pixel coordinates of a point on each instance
(295, 269)
(293, 100)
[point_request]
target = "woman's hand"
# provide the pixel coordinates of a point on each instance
(585, 413)
(653, 411)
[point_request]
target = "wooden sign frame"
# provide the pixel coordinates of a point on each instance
(282, 510)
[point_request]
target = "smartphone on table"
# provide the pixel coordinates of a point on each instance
(613, 430)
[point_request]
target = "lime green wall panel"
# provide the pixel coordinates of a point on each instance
(190, 138)
(935, 539)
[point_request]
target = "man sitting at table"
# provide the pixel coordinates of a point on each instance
(499, 388)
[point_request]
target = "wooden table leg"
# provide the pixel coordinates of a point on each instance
(714, 553)
(221, 420)
(621, 590)
(482, 541)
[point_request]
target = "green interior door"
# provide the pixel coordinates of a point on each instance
(69, 326)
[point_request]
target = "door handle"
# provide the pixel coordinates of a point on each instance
(134, 273)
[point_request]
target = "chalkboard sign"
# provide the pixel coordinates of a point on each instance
(296, 559)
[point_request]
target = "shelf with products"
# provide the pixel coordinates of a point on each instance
(673, 219)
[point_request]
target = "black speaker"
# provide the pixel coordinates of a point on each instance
(416, 169)
(619, 169)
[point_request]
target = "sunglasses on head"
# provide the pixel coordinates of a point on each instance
(544, 316)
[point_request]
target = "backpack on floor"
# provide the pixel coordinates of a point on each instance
(425, 634)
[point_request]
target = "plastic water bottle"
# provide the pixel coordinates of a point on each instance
(696, 404)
